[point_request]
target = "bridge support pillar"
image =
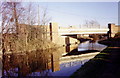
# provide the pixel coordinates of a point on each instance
(67, 42)
(113, 29)
(55, 62)
(53, 32)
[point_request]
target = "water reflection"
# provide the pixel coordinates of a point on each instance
(40, 62)
(72, 63)
(91, 46)
(24, 64)
(68, 68)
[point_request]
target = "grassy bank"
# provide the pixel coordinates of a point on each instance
(105, 64)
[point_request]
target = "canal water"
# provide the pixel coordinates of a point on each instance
(33, 64)
(68, 68)
(88, 45)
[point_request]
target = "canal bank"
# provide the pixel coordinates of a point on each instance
(105, 64)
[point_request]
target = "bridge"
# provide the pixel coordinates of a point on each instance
(62, 31)
(82, 31)
(69, 36)
(67, 31)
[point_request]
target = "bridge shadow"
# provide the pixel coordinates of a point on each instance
(83, 39)
(75, 37)
(76, 52)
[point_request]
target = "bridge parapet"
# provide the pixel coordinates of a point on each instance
(82, 31)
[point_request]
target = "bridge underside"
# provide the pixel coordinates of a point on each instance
(78, 36)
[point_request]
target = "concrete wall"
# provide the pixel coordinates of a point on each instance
(57, 38)
(113, 29)
(54, 32)
(67, 43)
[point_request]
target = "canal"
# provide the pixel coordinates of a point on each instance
(35, 64)
(69, 64)
(88, 45)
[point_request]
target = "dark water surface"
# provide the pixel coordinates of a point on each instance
(38, 63)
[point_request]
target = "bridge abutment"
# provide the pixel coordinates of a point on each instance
(113, 29)
(68, 43)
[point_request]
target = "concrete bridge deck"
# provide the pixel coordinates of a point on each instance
(82, 31)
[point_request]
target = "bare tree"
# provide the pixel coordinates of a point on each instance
(94, 24)
(11, 15)
(45, 20)
(30, 20)
(91, 24)
(31, 14)
(11, 12)
(87, 23)
(45, 17)
(16, 15)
